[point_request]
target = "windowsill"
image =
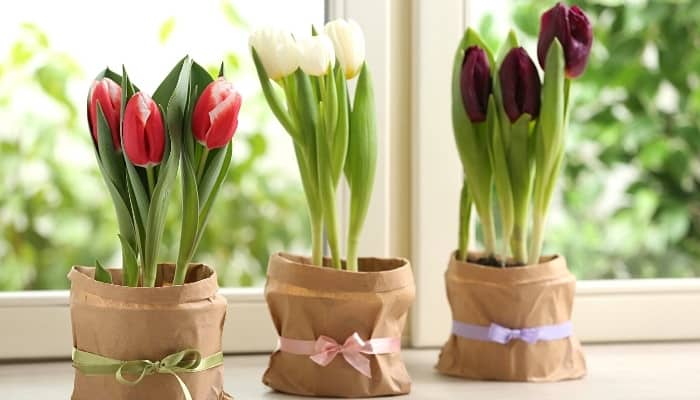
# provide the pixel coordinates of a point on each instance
(616, 371)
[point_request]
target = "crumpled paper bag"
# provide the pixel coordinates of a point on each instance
(514, 297)
(134, 323)
(308, 301)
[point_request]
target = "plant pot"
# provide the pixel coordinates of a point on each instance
(310, 304)
(136, 323)
(513, 323)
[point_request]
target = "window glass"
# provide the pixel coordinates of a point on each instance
(628, 204)
(54, 208)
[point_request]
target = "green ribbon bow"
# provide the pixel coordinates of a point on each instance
(185, 361)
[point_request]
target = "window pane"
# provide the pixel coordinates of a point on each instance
(54, 208)
(629, 205)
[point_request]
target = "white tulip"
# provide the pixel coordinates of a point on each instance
(316, 55)
(277, 50)
(349, 43)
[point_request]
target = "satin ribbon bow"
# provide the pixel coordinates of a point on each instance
(185, 361)
(326, 348)
(500, 334)
(503, 335)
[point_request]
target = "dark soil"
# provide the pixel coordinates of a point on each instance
(493, 262)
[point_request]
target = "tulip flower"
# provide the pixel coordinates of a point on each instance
(316, 55)
(277, 50)
(471, 91)
(572, 28)
(107, 94)
(334, 133)
(144, 133)
(215, 116)
(475, 83)
(520, 85)
(349, 44)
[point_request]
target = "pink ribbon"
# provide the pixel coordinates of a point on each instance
(324, 349)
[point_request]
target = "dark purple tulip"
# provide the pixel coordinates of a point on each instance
(475, 83)
(520, 85)
(572, 28)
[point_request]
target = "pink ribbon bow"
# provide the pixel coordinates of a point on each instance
(323, 350)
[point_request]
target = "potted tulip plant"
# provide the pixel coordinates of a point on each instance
(339, 321)
(152, 330)
(511, 306)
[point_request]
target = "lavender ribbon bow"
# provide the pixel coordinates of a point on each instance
(500, 334)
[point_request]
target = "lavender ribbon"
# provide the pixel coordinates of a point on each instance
(501, 334)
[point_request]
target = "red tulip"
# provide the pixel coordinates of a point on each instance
(108, 94)
(144, 133)
(520, 85)
(215, 116)
(475, 83)
(572, 28)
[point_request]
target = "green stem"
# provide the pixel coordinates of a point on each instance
(151, 180)
(537, 239)
(149, 276)
(330, 218)
(465, 210)
(316, 240)
(352, 264)
(505, 244)
(518, 243)
(180, 273)
(202, 163)
(489, 233)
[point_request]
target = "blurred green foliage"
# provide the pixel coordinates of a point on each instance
(629, 191)
(54, 208)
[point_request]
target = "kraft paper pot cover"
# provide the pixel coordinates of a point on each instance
(137, 323)
(309, 302)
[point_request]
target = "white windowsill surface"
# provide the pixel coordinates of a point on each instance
(618, 371)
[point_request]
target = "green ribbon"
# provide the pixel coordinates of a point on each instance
(185, 361)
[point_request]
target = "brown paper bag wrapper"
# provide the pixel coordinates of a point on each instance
(514, 297)
(307, 301)
(135, 323)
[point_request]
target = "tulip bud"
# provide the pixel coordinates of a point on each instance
(108, 94)
(316, 55)
(144, 133)
(573, 30)
(475, 83)
(277, 50)
(520, 85)
(349, 44)
(215, 116)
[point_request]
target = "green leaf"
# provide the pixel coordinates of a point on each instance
(550, 137)
(101, 274)
(473, 142)
(215, 161)
(165, 90)
(342, 131)
(362, 152)
(465, 212)
(130, 263)
(190, 215)
(112, 162)
(221, 70)
(272, 99)
(510, 43)
(155, 223)
(497, 155)
(206, 208)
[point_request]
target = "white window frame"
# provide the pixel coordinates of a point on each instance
(604, 311)
(413, 210)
